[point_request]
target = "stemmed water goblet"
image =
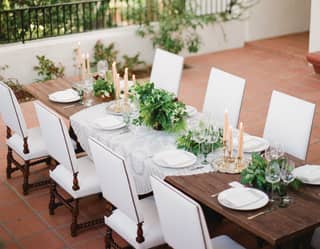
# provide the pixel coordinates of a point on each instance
(272, 175)
(287, 176)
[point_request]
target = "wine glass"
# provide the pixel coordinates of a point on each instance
(272, 175)
(206, 146)
(198, 137)
(287, 176)
(102, 67)
(87, 90)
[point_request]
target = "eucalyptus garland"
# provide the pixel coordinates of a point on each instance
(187, 142)
(158, 108)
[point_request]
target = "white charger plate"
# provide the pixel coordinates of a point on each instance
(157, 158)
(300, 171)
(95, 125)
(54, 97)
(261, 143)
(224, 198)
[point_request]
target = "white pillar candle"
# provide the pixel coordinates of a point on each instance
(88, 63)
(126, 87)
(226, 126)
(230, 141)
(240, 141)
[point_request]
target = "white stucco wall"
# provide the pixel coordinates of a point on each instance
(21, 58)
(270, 18)
(314, 39)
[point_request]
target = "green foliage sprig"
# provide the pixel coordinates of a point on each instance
(254, 174)
(187, 143)
(47, 69)
(104, 87)
(179, 21)
(102, 52)
(158, 108)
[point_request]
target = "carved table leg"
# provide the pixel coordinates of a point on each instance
(52, 204)
(9, 163)
(108, 238)
(26, 173)
(75, 214)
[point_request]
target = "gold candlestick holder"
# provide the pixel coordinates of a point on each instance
(230, 164)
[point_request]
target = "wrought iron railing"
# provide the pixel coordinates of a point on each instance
(76, 17)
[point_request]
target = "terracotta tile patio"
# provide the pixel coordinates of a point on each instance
(277, 63)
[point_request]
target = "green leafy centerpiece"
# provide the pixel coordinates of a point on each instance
(104, 87)
(255, 174)
(158, 108)
(187, 141)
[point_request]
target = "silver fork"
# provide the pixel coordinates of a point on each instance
(261, 213)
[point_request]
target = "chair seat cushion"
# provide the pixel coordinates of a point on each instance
(315, 242)
(225, 242)
(127, 228)
(36, 145)
(87, 178)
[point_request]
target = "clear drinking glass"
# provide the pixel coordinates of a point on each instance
(287, 176)
(87, 89)
(102, 67)
(272, 175)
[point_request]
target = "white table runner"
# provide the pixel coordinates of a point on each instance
(137, 148)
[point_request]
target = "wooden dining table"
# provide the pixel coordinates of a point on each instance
(276, 226)
(41, 90)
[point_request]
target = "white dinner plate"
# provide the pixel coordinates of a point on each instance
(252, 143)
(243, 199)
(191, 111)
(108, 123)
(65, 96)
(308, 174)
(174, 159)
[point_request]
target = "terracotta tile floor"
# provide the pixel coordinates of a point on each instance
(270, 64)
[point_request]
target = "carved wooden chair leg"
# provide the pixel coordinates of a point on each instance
(75, 214)
(108, 238)
(26, 173)
(9, 163)
(52, 204)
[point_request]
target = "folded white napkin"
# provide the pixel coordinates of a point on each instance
(310, 173)
(64, 95)
(241, 197)
(108, 122)
(176, 157)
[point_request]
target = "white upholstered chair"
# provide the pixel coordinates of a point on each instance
(76, 176)
(289, 122)
(167, 70)
(224, 92)
(186, 228)
(133, 219)
(26, 143)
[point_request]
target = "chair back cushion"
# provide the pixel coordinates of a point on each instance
(56, 137)
(224, 92)
(166, 71)
(182, 220)
(116, 180)
(289, 122)
(11, 111)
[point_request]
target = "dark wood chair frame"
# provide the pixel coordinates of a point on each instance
(25, 167)
(71, 204)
